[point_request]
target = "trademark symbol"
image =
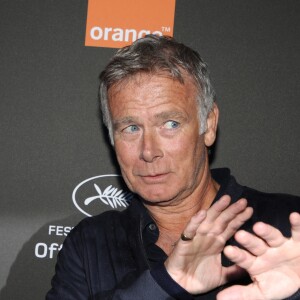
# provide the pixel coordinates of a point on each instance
(166, 29)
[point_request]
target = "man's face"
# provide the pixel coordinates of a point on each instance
(156, 135)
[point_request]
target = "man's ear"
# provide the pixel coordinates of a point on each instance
(211, 126)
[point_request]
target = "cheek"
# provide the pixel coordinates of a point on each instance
(126, 155)
(178, 150)
(186, 148)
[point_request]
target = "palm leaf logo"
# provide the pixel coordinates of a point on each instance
(111, 196)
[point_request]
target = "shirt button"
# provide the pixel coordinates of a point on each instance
(152, 226)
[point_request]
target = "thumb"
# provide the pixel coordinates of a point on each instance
(239, 292)
(233, 273)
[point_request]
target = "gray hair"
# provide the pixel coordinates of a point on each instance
(157, 54)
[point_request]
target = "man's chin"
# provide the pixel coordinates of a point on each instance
(157, 200)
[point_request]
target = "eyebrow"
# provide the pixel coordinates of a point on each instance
(124, 121)
(170, 115)
(165, 115)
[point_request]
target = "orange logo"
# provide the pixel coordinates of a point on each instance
(117, 23)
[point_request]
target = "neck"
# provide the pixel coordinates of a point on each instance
(172, 219)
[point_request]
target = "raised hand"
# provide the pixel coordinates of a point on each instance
(272, 261)
(195, 262)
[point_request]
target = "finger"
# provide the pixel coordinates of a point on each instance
(221, 214)
(237, 222)
(233, 273)
(239, 256)
(295, 223)
(233, 210)
(216, 209)
(194, 223)
(270, 234)
(251, 243)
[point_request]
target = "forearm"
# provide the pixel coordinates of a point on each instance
(75, 280)
(144, 287)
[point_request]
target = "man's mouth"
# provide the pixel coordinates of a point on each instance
(154, 178)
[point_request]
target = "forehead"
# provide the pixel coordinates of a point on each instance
(152, 97)
(162, 82)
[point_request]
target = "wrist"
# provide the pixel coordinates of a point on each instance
(166, 282)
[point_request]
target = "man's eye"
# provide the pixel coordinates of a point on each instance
(171, 124)
(131, 129)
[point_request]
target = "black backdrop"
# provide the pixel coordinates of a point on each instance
(52, 139)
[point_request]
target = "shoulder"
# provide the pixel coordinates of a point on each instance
(109, 222)
(271, 200)
(100, 223)
(272, 208)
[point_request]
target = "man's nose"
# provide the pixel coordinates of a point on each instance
(150, 147)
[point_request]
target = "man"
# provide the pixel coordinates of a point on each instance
(158, 104)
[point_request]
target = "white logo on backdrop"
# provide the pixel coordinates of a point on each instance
(98, 190)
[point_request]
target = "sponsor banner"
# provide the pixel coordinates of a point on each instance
(48, 249)
(117, 23)
(92, 196)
